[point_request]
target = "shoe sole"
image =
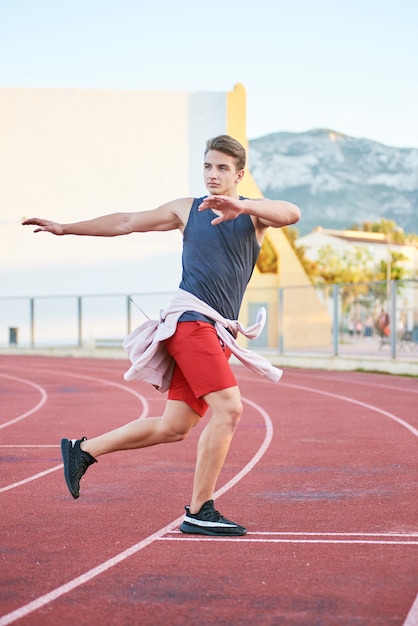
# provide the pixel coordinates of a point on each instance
(65, 453)
(200, 530)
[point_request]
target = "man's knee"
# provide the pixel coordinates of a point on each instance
(177, 422)
(171, 433)
(235, 412)
(233, 407)
(226, 405)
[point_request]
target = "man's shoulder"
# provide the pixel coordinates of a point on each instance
(184, 205)
(181, 207)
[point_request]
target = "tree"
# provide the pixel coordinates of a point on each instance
(387, 227)
(355, 265)
(352, 269)
(395, 269)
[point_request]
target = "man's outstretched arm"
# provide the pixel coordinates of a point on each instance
(169, 216)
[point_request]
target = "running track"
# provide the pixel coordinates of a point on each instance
(322, 471)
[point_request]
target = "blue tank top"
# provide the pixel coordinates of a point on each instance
(218, 261)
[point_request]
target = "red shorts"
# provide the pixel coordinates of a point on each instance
(201, 364)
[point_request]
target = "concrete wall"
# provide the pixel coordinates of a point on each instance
(71, 154)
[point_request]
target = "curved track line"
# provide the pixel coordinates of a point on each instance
(105, 382)
(145, 409)
(118, 558)
(267, 440)
(44, 397)
(412, 617)
(400, 421)
(363, 382)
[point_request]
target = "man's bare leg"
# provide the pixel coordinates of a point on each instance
(177, 421)
(214, 443)
(78, 455)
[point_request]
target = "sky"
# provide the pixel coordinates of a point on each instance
(350, 66)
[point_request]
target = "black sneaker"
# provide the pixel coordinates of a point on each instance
(210, 522)
(76, 462)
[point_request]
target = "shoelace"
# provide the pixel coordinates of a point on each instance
(211, 515)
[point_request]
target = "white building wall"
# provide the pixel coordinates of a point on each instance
(71, 154)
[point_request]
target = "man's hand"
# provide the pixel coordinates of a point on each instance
(44, 226)
(229, 207)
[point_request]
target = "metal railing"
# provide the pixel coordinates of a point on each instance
(355, 312)
(328, 319)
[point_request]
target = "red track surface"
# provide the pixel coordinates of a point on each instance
(322, 471)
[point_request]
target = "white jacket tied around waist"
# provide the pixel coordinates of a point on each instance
(151, 361)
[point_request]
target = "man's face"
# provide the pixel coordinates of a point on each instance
(220, 173)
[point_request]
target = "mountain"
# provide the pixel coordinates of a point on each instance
(337, 180)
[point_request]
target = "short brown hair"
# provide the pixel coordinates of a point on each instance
(228, 145)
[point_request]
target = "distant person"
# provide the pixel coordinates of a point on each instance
(359, 328)
(383, 324)
(368, 327)
(222, 237)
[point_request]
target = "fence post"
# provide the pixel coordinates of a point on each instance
(128, 314)
(280, 319)
(392, 317)
(80, 322)
(32, 321)
(335, 320)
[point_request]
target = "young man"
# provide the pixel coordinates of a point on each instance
(222, 236)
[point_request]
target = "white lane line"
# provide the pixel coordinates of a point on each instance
(103, 567)
(371, 407)
(306, 374)
(145, 410)
(44, 397)
(30, 478)
(247, 539)
(412, 617)
(267, 440)
(398, 388)
(332, 534)
(104, 381)
(29, 445)
(308, 537)
(365, 405)
(84, 578)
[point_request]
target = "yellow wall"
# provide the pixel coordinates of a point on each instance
(305, 319)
